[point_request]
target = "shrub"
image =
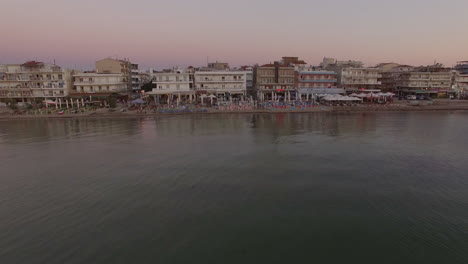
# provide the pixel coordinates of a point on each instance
(112, 102)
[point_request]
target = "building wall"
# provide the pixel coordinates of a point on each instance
(112, 66)
(173, 81)
(234, 82)
(358, 78)
(315, 79)
(391, 76)
(218, 66)
(431, 81)
(99, 83)
(33, 80)
(274, 77)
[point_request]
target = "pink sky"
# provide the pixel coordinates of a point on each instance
(165, 33)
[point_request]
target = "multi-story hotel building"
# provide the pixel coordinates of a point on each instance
(274, 82)
(173, 84)
(222, 83)
(353, 79)
(99, 84)
(391, 73)
(309, 81)
(431, 80)
(25, 82)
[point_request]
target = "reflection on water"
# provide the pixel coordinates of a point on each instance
(240, 188)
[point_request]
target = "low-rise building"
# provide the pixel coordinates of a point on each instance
(33, 80)
(224, 84)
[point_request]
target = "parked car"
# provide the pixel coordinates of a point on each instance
(411, 97)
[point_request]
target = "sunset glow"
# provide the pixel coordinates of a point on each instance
(166, 33)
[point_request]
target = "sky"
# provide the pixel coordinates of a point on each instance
(167, 33)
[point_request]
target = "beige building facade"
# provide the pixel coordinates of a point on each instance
(360, 78)
(98, 83)
(33, 80)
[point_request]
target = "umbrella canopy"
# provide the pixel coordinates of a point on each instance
(137, 101)
(50, 102)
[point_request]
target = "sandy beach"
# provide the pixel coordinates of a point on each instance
(437, 105)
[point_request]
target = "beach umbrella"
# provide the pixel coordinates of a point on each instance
(202, 97)
(137, 101)
(211, 96)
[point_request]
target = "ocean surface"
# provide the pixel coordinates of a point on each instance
(241, 188)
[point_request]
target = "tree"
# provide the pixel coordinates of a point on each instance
(148, 87)
(112, 102)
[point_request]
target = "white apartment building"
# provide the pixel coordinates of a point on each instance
(99, 83)
(175, 81)
(176, 85)
(31, 80)
(223, 83)
(360, 78)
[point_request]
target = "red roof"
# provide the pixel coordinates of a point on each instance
(32, 64)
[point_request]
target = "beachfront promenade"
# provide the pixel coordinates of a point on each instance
(269, 107)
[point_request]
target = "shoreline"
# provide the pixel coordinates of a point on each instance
(372, 109)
